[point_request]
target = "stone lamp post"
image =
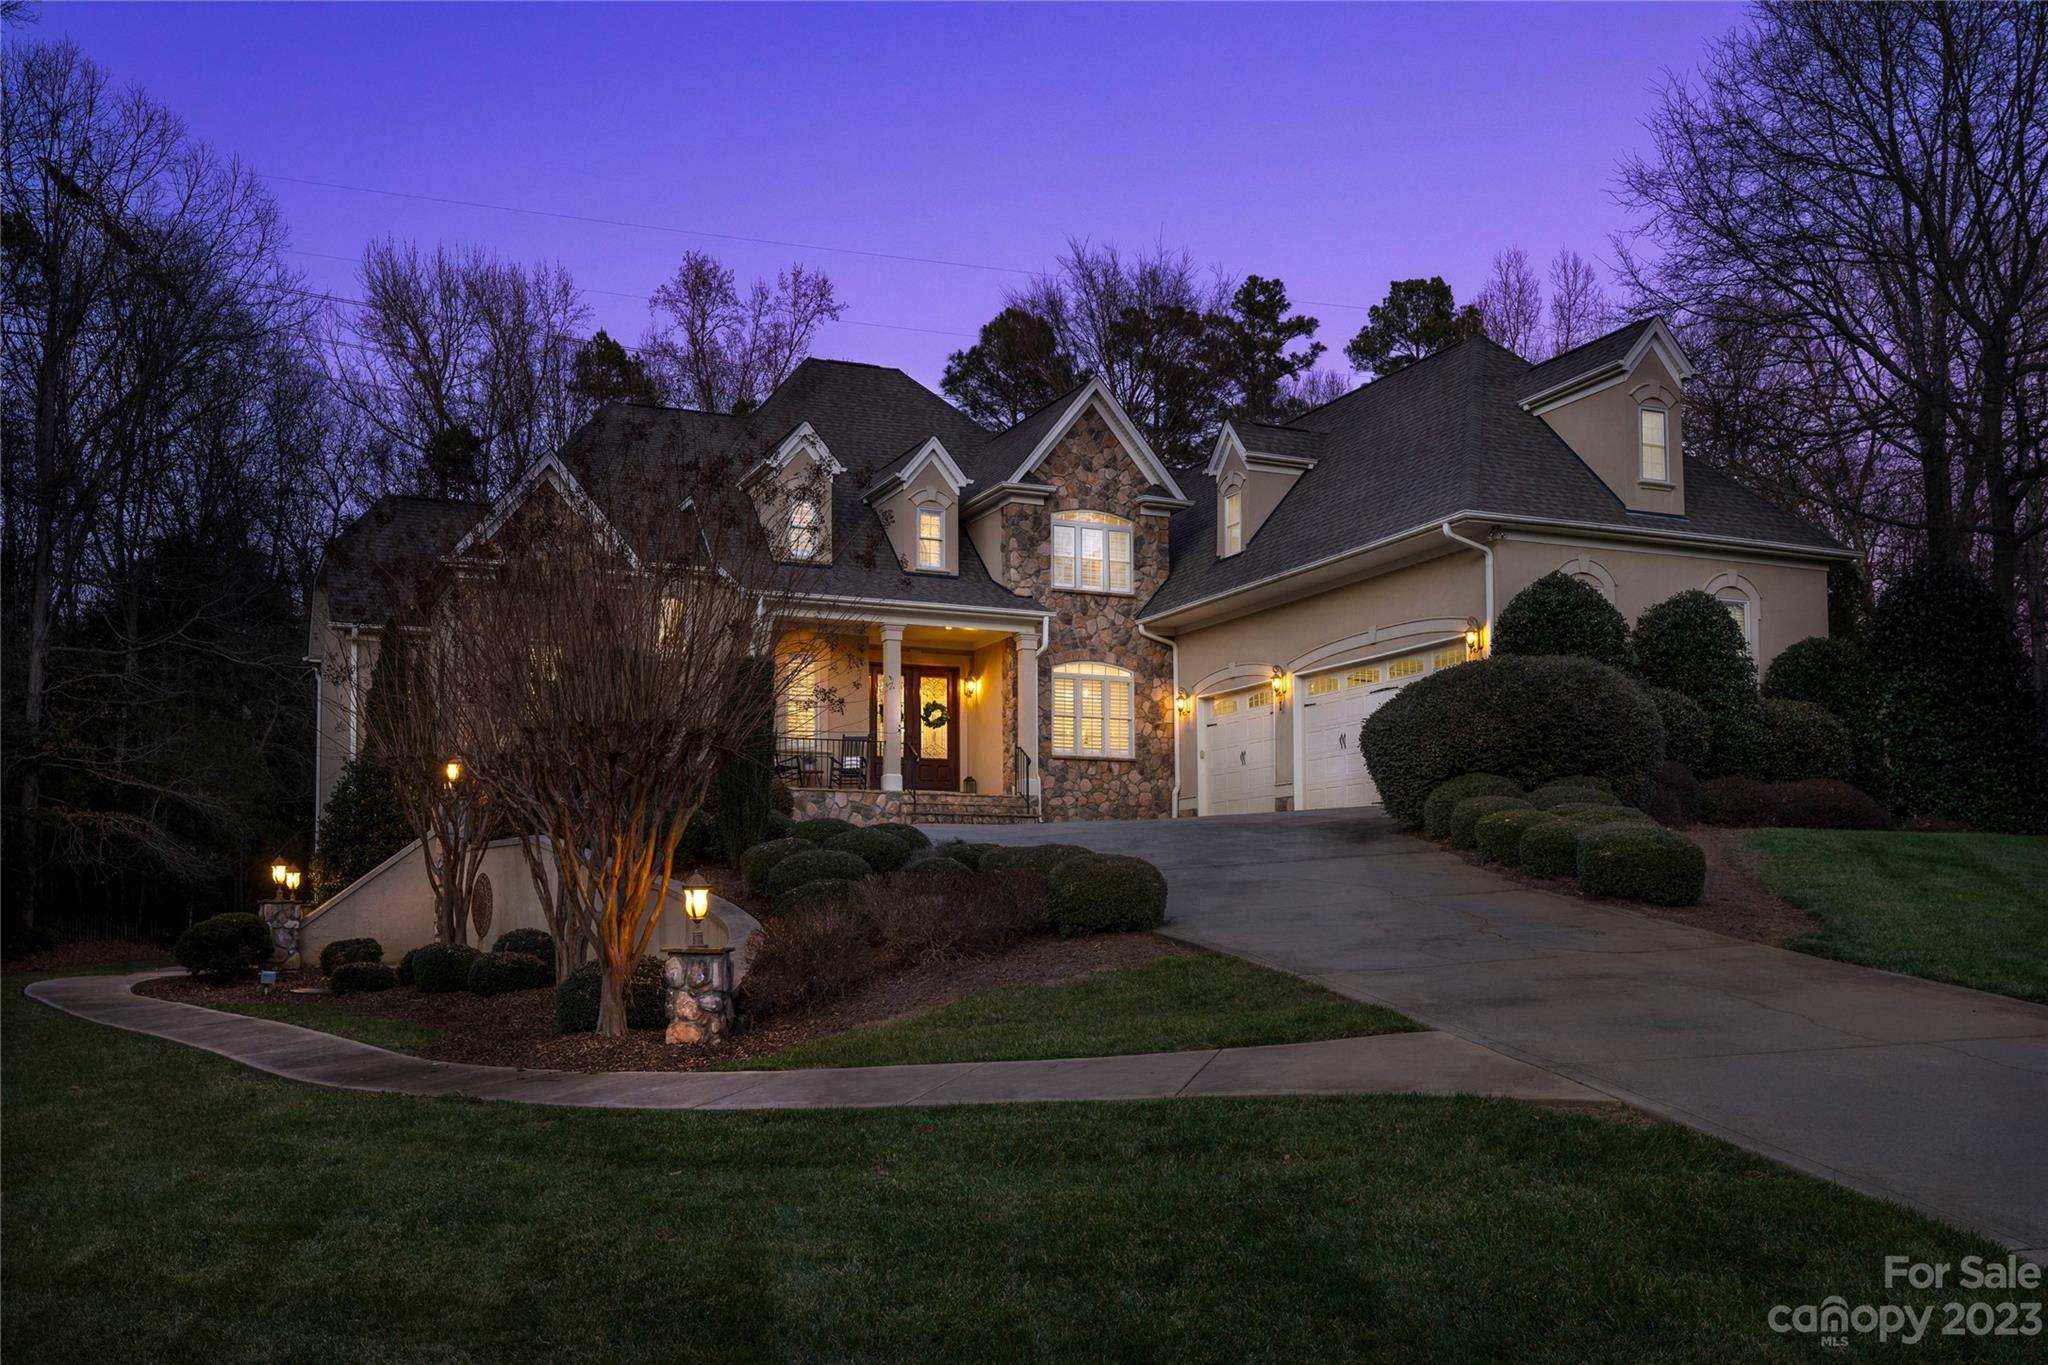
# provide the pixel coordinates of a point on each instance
(698, 979)
(283, 914)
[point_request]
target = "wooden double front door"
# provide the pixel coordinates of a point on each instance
(937, 747)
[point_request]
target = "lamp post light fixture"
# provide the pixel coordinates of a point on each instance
(278, 872)
(291, 882)
(696, 904)
(452, 770)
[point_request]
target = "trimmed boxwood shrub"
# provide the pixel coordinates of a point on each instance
(1597, 810)
(1736, 801)
(1106, 893)
(1822, 670)
(781, 800)
(1529, 719)
(778, 825)
(442, 968)
(497, 973)
(1821, 803)
(1038, 858)
(1554, 795)
(576, 999)
(1690, 644)
(961, 851)
(533, 942)
(1436, 811)
(816, 865)
(811, 895)
(760, 860)
(1557, 614)
(1550, 846)
(405, 967)
(879, 850)
(1672, 795)
(360, 977)
(1465, 816)
(909, 834)
(1802, 740)
(937, 866)
(1499, 836)
(224, 946)
(819, 828)
(350, 950)
(1597, 784)
(1641, 863)
(1688, 734)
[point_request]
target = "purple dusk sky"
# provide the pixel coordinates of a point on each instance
(1337, 147)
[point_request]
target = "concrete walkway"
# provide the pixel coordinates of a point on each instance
(1929, 1095)
(1417, 1063)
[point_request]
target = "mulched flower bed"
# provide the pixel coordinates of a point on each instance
(519, 1029)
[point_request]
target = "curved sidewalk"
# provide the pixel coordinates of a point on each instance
(1415, 1063)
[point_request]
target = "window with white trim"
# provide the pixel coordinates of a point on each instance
(1736, 603)
(806, 529)
(1653, 427)
(800, 703)
(1092, 710)
(931, 538)
(1091, 552)
(1233, 521)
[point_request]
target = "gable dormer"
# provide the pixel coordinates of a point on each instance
(1617, 402)
(918, 499)
(1254, 467)
(792, 490)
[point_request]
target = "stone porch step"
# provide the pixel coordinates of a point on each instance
(965, 808)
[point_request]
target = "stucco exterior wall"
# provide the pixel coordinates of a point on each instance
(344, 662)
(1401, 609)
(1089, 469)
(1262, 490)
(899, 516)
(1602, 429)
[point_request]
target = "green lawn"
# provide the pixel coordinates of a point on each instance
(163, 1204)
(399, 1035)
(1967, 908)
(1172, 1004)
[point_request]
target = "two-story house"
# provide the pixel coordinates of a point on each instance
(1047, 619)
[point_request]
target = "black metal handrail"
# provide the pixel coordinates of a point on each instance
(815, 761)
(1024, 780)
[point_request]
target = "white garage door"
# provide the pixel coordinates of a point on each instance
(1237, 753)
(1333, 706)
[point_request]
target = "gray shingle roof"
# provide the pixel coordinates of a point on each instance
(369, 567)
(1596, 354)
(1261, 439)
(998, 456)
(1443, 436)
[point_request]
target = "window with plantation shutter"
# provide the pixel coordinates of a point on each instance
(1091, 552)
(1093, 711)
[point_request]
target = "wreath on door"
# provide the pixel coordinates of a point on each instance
(933, 715)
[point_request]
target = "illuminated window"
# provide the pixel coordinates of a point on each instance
(800, 703)
(1262, 697)
(1656, 467)
(1448, 658)
(1233, 522)
(1404, 668)
(1091, 552)
(1092, 709)
(1323, 686)
(1223, 706)
(806, 534)
(1737, 607)
(1359, 677)
(931, 538)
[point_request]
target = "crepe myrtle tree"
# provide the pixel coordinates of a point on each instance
(594, 655)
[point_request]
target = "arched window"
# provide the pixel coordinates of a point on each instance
(931, 538)
(1092, 707)
(1653, 426)
(1739, 597)
(1233, 520)
(1091, 552)
(806, 529)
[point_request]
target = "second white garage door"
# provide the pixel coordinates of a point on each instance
(1237, 753)
(1333, 706)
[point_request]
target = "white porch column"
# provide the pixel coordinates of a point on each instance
(892, 708)
(1027, 707)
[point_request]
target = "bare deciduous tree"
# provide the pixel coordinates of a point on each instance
(1511, 303)
(720, 352)
(1579, 310)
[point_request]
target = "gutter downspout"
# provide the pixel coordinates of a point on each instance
(1173, 645)
(1486, 550)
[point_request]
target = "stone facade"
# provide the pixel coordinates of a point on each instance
(1090, 470)
(855, 805)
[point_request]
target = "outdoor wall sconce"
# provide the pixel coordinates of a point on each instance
(972, 687)
(1281, 682)
(1184, 703)
(696, 904)
(1471, 635)
(452, 769)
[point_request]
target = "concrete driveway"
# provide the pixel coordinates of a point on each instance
(1930, 1095)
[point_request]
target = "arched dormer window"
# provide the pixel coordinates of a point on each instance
(1653, 443)
(806, 528)
(1233, 519)
(931, 538)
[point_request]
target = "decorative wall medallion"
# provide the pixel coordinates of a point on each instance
(480, 906)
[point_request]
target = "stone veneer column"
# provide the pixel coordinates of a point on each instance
(1027, 707)
(892, 708)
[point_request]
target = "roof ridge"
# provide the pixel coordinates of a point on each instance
(1593, 341)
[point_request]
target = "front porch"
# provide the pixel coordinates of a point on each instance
(884, 718)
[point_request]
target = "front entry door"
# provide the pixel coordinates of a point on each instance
(937, 746)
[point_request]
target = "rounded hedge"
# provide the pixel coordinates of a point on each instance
(778, 825)
(812, 895)
(1557, 614)
(1688, 734)
(1824, 671)
(360, 977)
(350, 950)
(1499, 836)
(760, 860)
(498, 972)
(1554, 795)
(1801, 741)
(1673, 794)
(1037, 858)
(1581, 780)
(442, 968)
(881, 851)
(405, 967)
(1690, 644)
(1597, 810)
(937, 866)
(1436, 811)
(909, 834)
(1106, 893)
(1644, 863)
(961, 851)
(1738, 801)
(1465, 816)
(224, 946)
(1529, 719)
(1550, 846)
(819, 828)
(819, 864)
(1820, 803)
(578, 997)
(533, 942)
